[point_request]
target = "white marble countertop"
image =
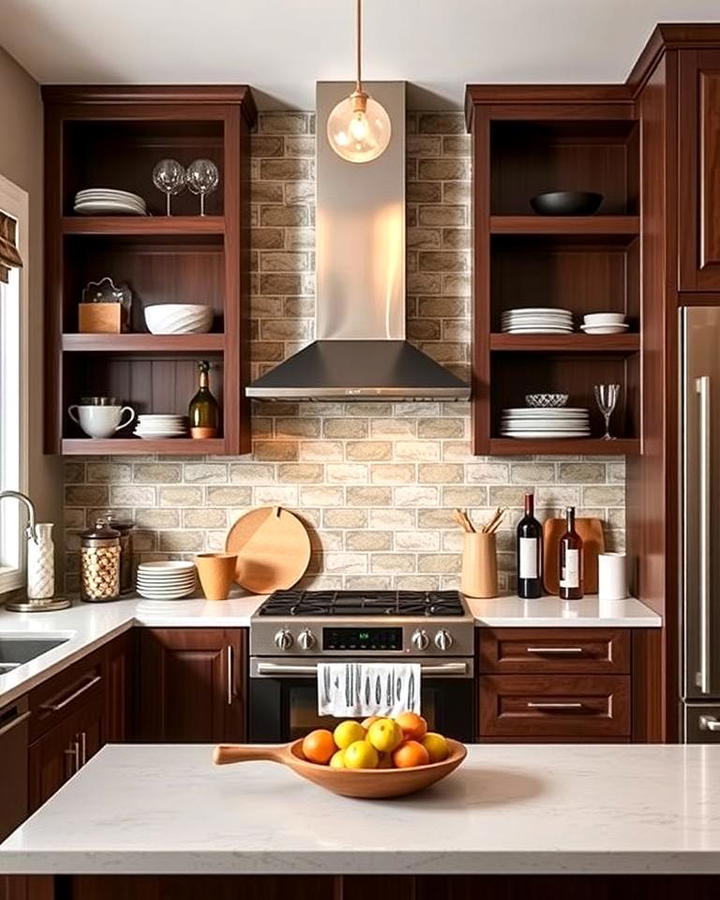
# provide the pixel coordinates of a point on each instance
(552, 612)
(510, 809)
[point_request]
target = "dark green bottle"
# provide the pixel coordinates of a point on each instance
(204, 412)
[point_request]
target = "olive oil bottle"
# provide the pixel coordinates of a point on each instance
(204, 412)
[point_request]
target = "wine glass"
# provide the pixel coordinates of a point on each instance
(202, 178)
(606, 397)
(169, 177)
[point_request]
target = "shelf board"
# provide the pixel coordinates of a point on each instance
(566, 225)
(142, 343)
(555, 447)
(139, 447)
(566, 343)
(178, 226)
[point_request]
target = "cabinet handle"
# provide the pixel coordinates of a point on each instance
(532, 705)
(554, 649)
(83, 748)
(709, 723)
(18, 720)
(230, 676)
(56, 707)
(702, 385)
(73, 753)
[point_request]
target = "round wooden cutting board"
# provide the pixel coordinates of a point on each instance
(273, 549)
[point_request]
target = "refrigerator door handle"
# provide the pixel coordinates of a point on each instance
(702, 386)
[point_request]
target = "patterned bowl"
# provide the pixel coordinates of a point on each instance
(546, 401)
(178, 318)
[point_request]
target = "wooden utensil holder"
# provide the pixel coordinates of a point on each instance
(479, 565)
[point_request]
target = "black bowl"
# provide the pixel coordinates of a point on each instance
(566, 203)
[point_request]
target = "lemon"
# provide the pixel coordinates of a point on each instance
(436, 746)
(347, 733)
(337, 760)
(361, 755)
(385, 735)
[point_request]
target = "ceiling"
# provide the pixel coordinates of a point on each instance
(281, 47)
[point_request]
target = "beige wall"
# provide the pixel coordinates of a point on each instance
(21, 155)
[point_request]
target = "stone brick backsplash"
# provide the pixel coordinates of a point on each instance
(375, 482)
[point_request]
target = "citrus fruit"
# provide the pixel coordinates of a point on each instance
(337, 760)
(410, 754)
(385, 735)
(360, 755)
(347, 733)
(368, 722)
(414, 727)
(436, 746)
(318, 746)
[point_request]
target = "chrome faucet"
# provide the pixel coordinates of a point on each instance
(30, 531)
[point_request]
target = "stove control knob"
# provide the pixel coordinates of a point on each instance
(283, 639)
(443, 640)
(420, 640)
(306, 639)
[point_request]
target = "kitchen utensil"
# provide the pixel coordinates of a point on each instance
(273, 549)
(606, 397)
(100, 563)
(479, 565)
(612, 576)
(202, 178)
(463, 521)
(216, 572)
(591, 532)
(169, 177)
(546, 401)
(492, 525)
(566, 203)
(178, 318)
(368, 784)
(100, 421)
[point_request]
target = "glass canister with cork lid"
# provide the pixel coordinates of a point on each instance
(100, 563)
(124, 526)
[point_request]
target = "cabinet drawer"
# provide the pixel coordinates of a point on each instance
(554, 650)
(577, 706)
(62, 695)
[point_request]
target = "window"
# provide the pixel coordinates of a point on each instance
(13, 394)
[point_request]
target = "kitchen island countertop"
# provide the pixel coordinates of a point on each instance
(511, 809)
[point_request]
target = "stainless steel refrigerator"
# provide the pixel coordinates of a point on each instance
(700, 523)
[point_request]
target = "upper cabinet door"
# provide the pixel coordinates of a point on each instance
(699, 195)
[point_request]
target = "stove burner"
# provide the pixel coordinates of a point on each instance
(363, 603)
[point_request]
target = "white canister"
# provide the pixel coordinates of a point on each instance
(612, 576)
(41, 563)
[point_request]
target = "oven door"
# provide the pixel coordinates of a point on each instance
(284, 698)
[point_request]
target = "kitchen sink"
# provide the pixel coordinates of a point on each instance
(15, 650)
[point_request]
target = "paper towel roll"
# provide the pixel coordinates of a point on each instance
(612, 576)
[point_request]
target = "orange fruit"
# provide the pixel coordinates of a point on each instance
(414, 727)
(410, 754)
(368, 722)
(319, 746)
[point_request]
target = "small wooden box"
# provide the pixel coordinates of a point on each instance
(100, 318)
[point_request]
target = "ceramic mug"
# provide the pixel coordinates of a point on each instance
(100, 421)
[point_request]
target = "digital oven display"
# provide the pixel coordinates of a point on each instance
(362, 639)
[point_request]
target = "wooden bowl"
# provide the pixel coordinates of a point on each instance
(368, 784)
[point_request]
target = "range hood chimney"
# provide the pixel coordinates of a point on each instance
(360, 352)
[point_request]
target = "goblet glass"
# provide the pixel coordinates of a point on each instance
(606, 397)
(202, 178)
(169, 177)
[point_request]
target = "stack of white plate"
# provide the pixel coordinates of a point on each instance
(604, 323)
(537, 320)
(160, 427)
(108, 202)
(566, 422)
(168, 579)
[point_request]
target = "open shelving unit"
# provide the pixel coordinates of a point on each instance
(554, 138)
(112, 137)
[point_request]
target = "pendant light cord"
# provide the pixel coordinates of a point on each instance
(358, 86)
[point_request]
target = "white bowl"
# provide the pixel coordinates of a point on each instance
(604, 318)
(178, 318)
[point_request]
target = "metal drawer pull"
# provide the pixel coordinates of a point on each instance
(73, 751)
(83, 748)
(230, 679)
(532, 705)
(702, 386)
(554, 649)
(709, 723)
(56, 707)
(15, 722)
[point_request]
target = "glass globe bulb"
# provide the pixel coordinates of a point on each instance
(359, 128)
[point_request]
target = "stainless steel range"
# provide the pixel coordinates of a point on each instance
(294, 630)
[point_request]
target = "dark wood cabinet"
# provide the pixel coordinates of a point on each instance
(699, 168)
(192, 685)
(120, 688)
(516, 651)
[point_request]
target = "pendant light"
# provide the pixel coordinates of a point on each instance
(359, 128)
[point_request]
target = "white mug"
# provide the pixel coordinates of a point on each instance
(100, 421)
(612, 576)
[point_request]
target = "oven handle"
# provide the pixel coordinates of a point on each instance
(270, 668)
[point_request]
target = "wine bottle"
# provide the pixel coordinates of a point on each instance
(571, 573)
(204, 412)
(529, 552)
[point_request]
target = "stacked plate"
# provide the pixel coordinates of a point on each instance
(604, 323)
(160, 427)
(566, 422)
(169, 579)
(108, 202)
(537, 320)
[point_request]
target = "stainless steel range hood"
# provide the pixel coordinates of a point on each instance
(360, 351)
